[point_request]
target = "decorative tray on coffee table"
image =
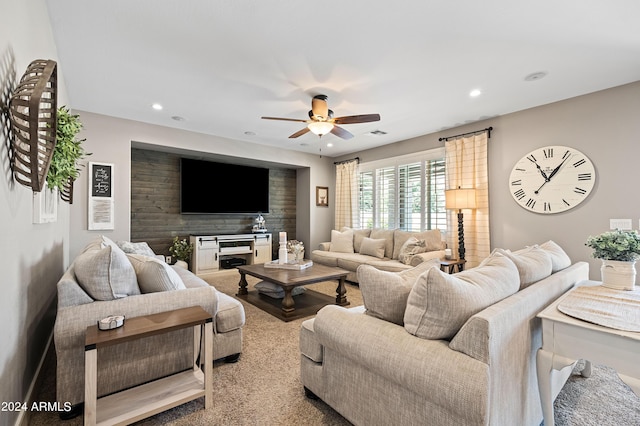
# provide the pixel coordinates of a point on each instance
(295, 265)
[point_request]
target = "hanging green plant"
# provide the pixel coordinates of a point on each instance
(68, 150)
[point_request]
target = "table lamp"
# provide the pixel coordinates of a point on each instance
(458, 199)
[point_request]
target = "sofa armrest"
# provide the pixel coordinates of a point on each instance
(325, 246)
(390, 352)
(428, 255)
(72, 321)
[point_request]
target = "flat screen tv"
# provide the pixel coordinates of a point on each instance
(208, 187)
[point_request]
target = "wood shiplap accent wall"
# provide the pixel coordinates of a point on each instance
(155, 203)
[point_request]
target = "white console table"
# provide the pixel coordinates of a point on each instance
(566, 339)
(210, 250)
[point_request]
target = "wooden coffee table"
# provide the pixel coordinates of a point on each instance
(308, 303)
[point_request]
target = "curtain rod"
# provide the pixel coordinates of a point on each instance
(488, 130)
(346, 161)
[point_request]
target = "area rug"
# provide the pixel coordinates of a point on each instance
(264, 388)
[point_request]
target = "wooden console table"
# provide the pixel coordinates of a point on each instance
(151, 398)
(566, 339)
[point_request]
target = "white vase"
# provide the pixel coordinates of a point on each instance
(618, 275)
(182, 264)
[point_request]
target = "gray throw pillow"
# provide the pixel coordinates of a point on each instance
(106, 274)
(385, 293)
(275, 291)
(154, 275)
(342, 242)
(136, 248)
(372, 247)
(410, 248)
(559, 258)
(439, 303)
(533, 263)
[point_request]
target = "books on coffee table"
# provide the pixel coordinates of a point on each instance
(296, 266)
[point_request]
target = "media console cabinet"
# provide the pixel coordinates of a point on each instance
(211, 251)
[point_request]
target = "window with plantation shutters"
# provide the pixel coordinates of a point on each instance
(404, 193)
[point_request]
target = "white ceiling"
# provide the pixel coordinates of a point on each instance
(222, 64)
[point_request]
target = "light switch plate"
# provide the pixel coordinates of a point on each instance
(621, 224)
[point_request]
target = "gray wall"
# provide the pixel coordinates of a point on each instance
(155, 203)
(604, 125)
(32, 257)
(110, 140)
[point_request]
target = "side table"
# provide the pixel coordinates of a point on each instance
(449, 265)
(566, 340)
(151, 398)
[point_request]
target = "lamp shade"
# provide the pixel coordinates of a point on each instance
(460, 198)
(320, 127)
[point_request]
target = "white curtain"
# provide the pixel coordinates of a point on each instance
(466, 167)
(347, 213)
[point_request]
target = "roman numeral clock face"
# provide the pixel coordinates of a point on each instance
(552, 179)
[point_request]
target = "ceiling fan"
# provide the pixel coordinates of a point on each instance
(321, 120)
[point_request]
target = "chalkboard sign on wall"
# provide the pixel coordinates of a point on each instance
(101, 180)
(101, 201)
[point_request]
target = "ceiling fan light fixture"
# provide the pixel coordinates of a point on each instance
(320, 127)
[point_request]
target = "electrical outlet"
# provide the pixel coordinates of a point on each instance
(621, 224)
(168, 259)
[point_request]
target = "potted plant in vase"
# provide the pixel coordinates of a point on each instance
(181, 250)
(619, 251)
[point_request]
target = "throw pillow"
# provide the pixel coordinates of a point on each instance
(410, 248)
(273, 290)
(106, 274)
(358, 236)
(372, 247)
(136, 248)
(387, 235)
(342, 242)
(559, 259)
(432, 239)
(154, 275)
(385, 293)
(439, 303)
(533, 263)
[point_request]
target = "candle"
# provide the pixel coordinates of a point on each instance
(447, 253)
(283, 237)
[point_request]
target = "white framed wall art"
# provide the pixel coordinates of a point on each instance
(101, 200)
(45, 205)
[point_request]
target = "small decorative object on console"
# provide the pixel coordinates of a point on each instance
(260, 224)
(111, 322)
(619, 251)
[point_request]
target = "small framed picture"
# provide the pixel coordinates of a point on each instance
(322, 196)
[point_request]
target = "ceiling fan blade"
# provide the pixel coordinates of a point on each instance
(299, 133)
(353, 119)
(339, 131)
(285, 119)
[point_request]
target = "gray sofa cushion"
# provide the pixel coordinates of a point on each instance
(372, 247)
(386, 234)
(533, 263)
(440, 303)
(106, 274)
(136, 248)
(154, 275)
(385, 293)
(342, 242)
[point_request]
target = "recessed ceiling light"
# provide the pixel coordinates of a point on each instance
(536, 76)
(475, 92)
(329, 145)
(157, 107)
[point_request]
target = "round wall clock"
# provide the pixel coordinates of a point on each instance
(552, 179)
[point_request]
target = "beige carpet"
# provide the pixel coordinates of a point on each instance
(264, 387)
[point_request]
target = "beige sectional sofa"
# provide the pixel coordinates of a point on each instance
(465, 358)
(381, 248)
(104, 281)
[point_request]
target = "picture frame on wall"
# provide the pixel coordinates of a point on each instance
(322, 196)
(101, 201)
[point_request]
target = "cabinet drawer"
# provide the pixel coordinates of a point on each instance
(207, 243)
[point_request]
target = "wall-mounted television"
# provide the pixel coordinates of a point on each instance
(208, 187)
